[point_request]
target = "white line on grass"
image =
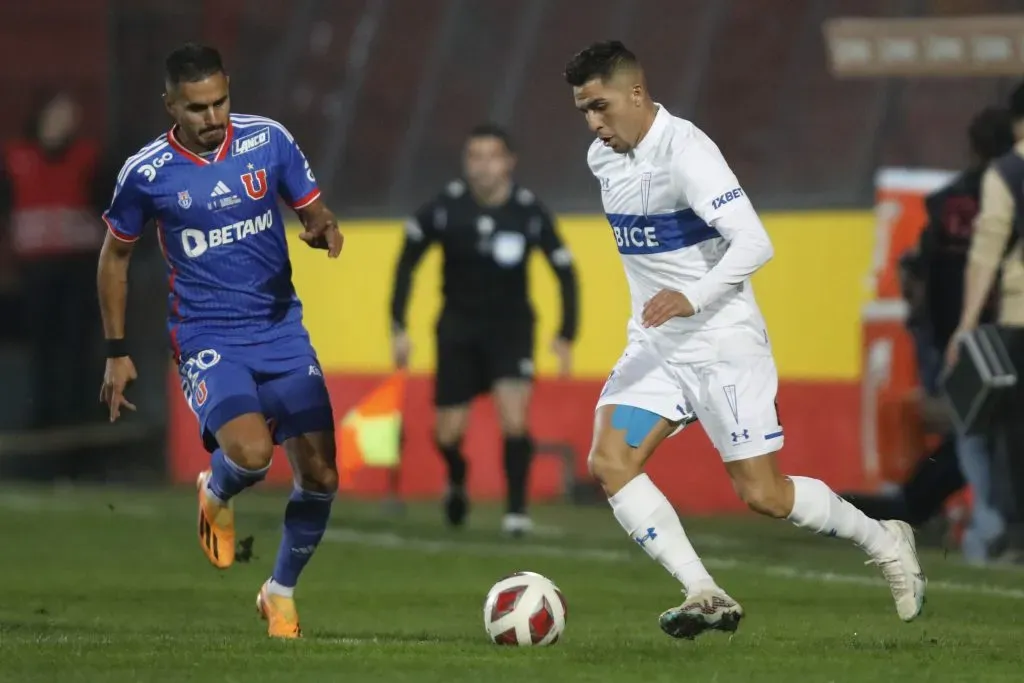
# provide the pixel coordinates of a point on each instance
(53, 502)
(29, 502)
(393, 541)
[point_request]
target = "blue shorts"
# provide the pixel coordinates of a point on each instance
(281, 381)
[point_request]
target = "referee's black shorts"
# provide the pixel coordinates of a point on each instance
(473, 355)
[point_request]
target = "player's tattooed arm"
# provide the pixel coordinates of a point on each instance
(112, 283)
(320, 228)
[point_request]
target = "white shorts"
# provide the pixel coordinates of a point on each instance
(733, 397)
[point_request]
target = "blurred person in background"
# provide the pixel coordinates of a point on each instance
(997, 251)
(995, 247)
(486, 225)
(932, 278)
(945, 244)
(947, 239)
(50, 195)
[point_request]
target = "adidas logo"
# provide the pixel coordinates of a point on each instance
(220, 190)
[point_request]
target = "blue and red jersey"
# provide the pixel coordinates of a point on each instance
(220, 229)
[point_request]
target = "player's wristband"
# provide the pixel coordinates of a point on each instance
(117, 348)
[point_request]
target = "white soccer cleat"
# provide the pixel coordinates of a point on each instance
(515, 524)
(903, 571)
(705, 609)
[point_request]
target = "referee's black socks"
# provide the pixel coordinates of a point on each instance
(456, 504)
(456, 464)
(518, 454)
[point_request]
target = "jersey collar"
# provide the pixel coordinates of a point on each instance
(221, 154)
(653, 137)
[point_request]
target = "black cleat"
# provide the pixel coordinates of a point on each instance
(456, 505)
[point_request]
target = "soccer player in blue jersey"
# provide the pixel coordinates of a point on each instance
(248, 370)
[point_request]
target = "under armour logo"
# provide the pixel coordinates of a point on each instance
(741, 436)
(649, 536)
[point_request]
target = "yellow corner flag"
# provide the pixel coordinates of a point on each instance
(370, 434)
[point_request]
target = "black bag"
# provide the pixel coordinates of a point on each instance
(981, 382)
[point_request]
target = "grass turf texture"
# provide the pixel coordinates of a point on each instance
(109, 585)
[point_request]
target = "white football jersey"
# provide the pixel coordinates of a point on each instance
(682, 222)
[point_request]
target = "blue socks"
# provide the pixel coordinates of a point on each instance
(305, 521)
(305, 517)
(229, 479)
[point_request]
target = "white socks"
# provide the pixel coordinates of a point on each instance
(649, 519)
(818, 508)
(274, 588)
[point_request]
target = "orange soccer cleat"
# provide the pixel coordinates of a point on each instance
(216, 527)
(279, 612)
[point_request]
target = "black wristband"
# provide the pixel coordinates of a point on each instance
(117, 348)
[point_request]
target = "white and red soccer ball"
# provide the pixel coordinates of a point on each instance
(525, 609)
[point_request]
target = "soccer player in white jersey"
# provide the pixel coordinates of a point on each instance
(697, 344)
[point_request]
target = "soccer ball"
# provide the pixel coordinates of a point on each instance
(525, 609)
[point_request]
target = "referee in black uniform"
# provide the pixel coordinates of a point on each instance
(486, 226)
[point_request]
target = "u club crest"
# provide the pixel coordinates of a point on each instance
(255, 183)
(184, 199)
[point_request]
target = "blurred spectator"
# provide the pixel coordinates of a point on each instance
(946, 239)
(933, 285)
(996, 250)
(944, 247)
(996, 262)
(50, 200)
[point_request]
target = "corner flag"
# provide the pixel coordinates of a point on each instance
(370, 433)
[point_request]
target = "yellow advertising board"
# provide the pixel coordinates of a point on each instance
(811, 294)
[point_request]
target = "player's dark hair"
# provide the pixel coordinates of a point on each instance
(599, 60)
(1017, 102)
(991, 133)
(190, 63)
(492, 130)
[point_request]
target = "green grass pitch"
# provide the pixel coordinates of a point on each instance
(109, 585)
